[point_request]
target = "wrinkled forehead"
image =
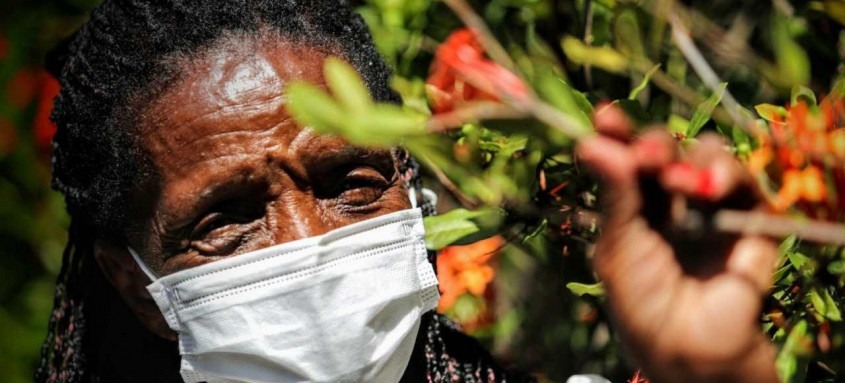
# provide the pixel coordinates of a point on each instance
(238, 69)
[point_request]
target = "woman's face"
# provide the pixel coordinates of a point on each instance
(235, 172)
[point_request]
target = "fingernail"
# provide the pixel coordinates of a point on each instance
(706, 187)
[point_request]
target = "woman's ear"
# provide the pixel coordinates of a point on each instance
(130, 282)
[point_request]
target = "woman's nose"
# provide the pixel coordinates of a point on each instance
(297, 218)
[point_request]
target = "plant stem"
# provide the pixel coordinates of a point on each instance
(444, 180)
(682, 40)
(558, 120)
(752, 223)
(473, 112)
(773, 225)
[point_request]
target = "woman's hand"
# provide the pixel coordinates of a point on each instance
(686, 305)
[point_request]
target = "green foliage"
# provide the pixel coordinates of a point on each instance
(579, 289)
(461, 227)
(704, 111)
(32, 217)
(573, 55)
(517, 178)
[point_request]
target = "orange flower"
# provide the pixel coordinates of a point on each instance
(460, 73)
(836, 140)
(465, 269)
(807, 185)
(806, 143)
(759, 159)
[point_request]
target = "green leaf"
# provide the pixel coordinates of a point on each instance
(832, 311)
(788, 244)
(461, 227)
(384, 125)
(802, 93)
(819, 305)
(311, 106)
(793, 64)
(561, 95)
(703, 112)
(580, 289)
(788, 363)
(605, 58)
(798, 260)
(636, 91)
(347, 86)
(835, 9)
(626, 30)
(836, 268)
(770, 112)
(677, 124)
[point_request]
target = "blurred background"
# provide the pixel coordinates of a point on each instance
(32, 217)
(514, 299)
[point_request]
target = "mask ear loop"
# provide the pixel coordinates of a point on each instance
(412, 195)
(146, 269)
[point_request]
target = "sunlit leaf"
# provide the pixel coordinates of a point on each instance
(346, 85)
(460, 227)
(792, 61)
(703, 112)
(579, 289)
(802, 93)
(603, 57)
(643, 84)
(311, 106)
(770, 112)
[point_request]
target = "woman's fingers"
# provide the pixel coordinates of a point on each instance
(708, 173)
(614, 162)
(611, 121)
(654, 150)
(753, 259)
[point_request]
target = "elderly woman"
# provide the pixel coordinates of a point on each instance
(213, 239)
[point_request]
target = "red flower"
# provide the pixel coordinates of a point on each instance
(461, 73)
(8, 137)
(22, 87)
(638, 378)
(4, 47)
(44, 128)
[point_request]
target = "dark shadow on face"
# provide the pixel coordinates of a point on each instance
(235, 172)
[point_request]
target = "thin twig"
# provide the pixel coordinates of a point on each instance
(558, 120)
(588, 39)
(684, 93)
(779, 226)
(682, 40)
(450, 186)
(754, 223)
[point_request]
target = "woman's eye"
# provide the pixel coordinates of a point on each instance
(362, 187)
(221, 233)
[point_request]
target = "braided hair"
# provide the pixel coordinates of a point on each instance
(121, 56)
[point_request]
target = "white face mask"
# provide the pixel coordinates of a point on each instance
(341, 307)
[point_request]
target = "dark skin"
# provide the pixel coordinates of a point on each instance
(235, 174)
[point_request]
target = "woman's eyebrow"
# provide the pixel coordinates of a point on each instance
(191, 198)
(328, 159)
